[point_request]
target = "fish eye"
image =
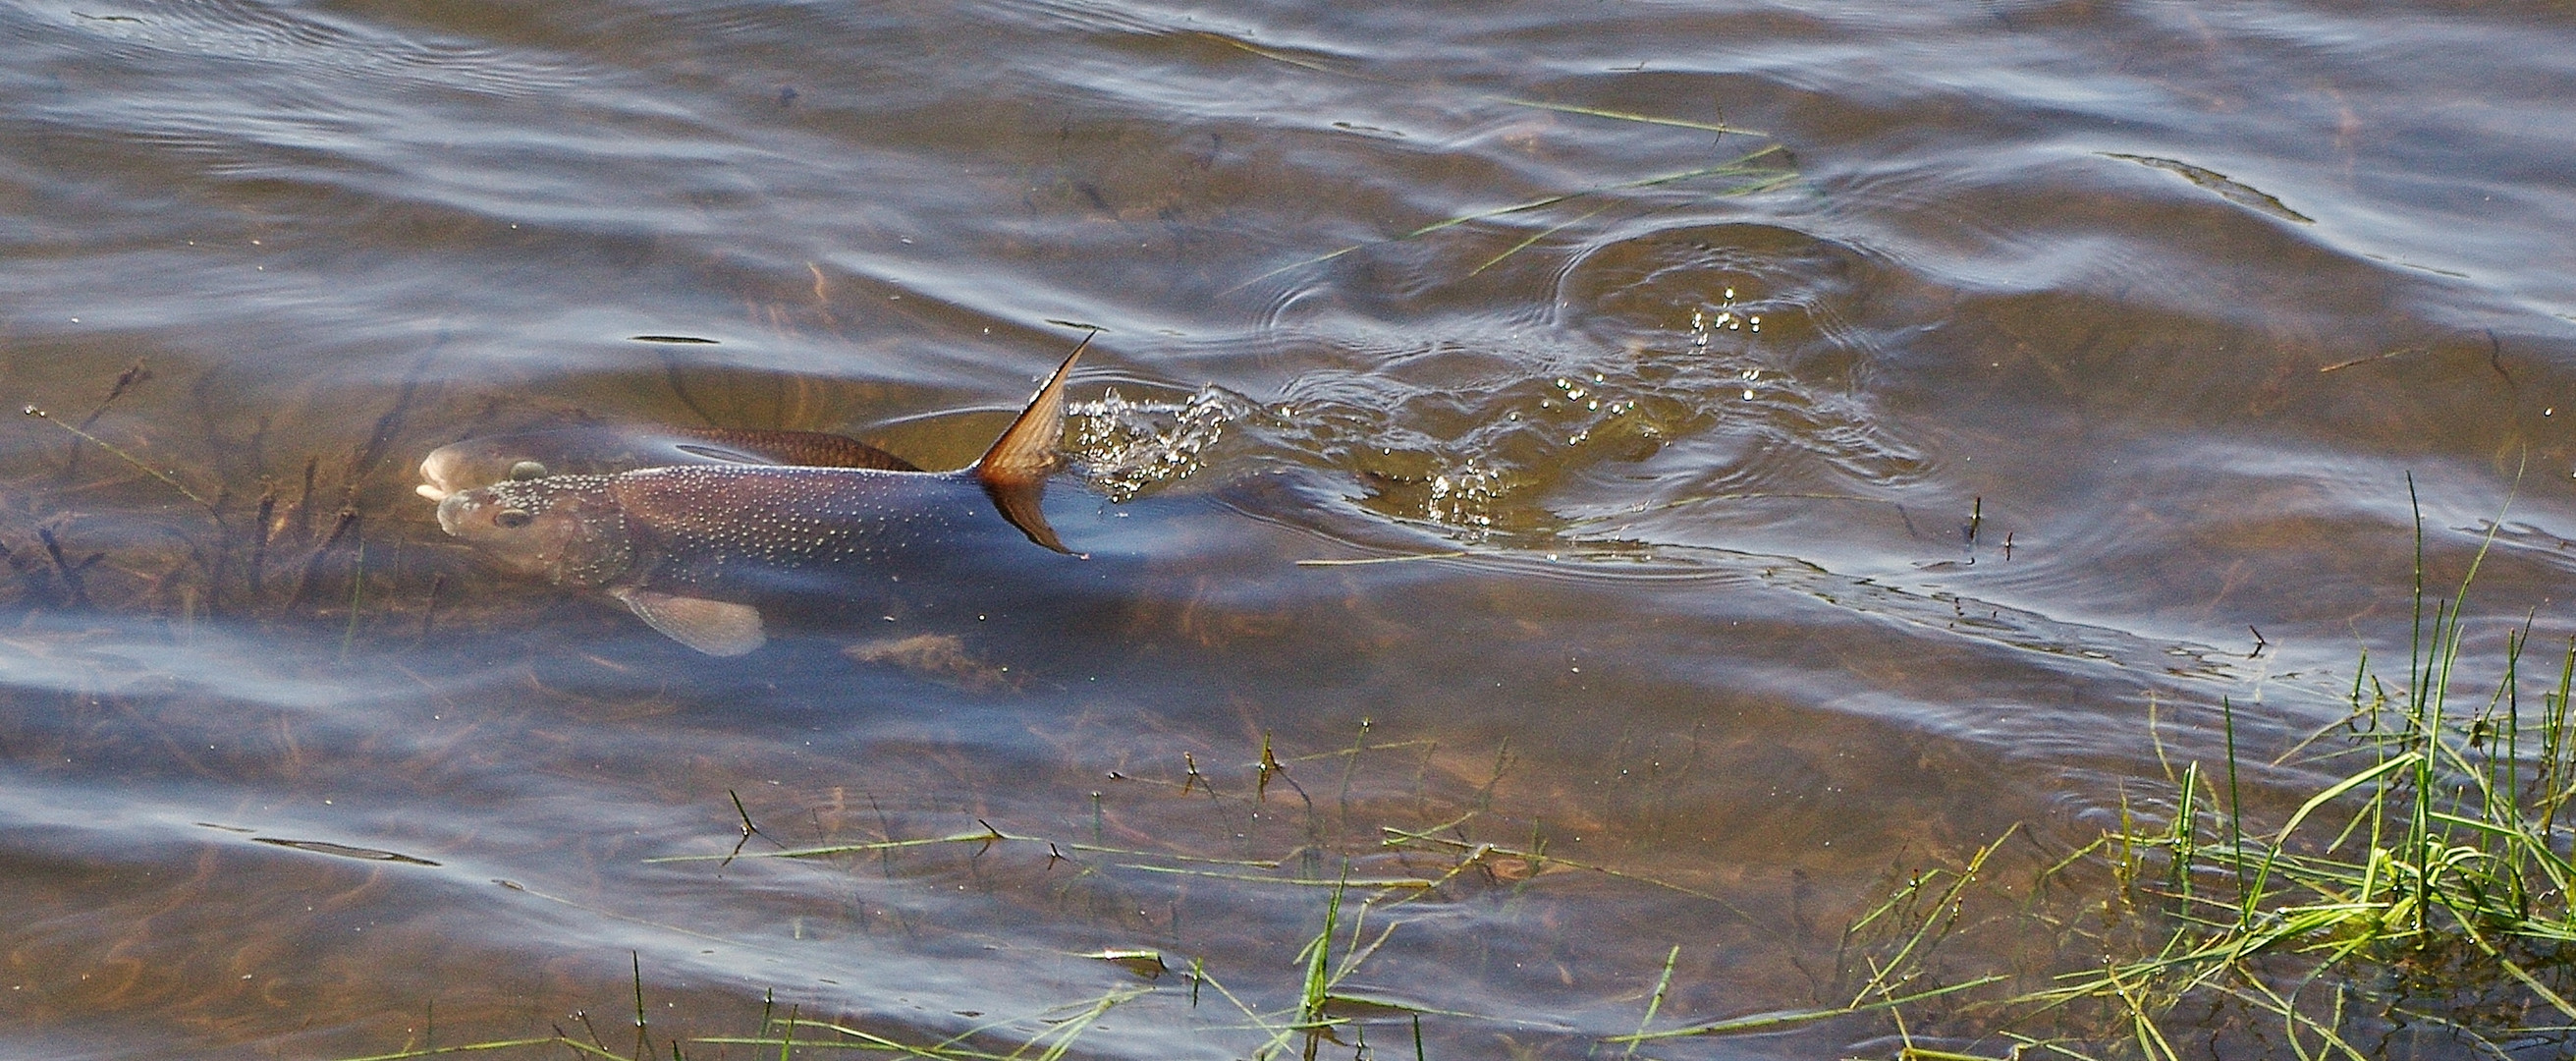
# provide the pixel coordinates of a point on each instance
(512, 518)
(526, 470)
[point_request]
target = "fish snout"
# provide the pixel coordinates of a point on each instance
(438, 474)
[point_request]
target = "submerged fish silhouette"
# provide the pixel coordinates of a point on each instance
(690, 549)
(607, 450)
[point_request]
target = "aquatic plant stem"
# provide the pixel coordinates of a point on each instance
(2235, 815)
(1655, 1001)
(1318, 957)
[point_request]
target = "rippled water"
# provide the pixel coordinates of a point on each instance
(1599, 478)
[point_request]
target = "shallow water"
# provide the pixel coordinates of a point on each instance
(1789, 448)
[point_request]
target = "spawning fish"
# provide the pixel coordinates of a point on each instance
(607, 450)
(689, 548)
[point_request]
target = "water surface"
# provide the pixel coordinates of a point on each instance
(1792, 448)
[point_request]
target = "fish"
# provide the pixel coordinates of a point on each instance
(607, 449)
(696, 550)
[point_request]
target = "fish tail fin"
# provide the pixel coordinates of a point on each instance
(1014, 471)
(1021, 506)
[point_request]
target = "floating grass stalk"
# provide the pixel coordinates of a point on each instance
(559, 1039)
(122, 455)
(1740, 166)
(1776, 1020)
(1303, 63)
(1062, 1026)
(1628, 116)
(1535, 853)
(1535, 237)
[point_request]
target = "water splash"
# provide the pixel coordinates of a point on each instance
(1129, 447)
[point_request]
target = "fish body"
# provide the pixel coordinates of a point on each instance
(608, 449)
(696, 550)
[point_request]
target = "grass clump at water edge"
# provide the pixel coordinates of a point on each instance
(2424, 902)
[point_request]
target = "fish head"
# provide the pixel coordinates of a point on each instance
(453, 469)
(567, 528)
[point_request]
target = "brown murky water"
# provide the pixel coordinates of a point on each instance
(1794, 448)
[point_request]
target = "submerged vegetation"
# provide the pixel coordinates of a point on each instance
(251, 540)
(2418, 904)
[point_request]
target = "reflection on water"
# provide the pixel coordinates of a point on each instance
(1613, 495)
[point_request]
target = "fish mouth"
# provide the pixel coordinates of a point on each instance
(434, 493)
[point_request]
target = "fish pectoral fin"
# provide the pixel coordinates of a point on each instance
(717, 628)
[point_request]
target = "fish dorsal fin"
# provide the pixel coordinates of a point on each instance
(1014, 471)
(717, 628)
(1026, 451)
(721, 454)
